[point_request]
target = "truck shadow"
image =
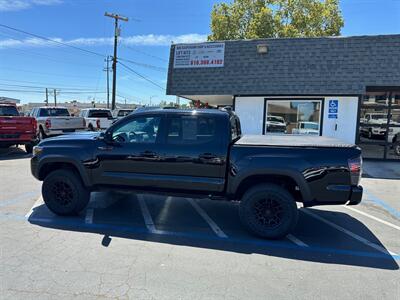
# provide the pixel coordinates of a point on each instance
(13, 153)
(122, 218)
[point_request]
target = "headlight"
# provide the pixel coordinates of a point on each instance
(37, 150)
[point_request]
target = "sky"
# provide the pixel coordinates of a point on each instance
(29, 64)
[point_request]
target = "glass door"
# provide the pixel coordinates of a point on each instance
(379, 128)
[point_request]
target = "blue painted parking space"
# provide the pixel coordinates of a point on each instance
(322, 236)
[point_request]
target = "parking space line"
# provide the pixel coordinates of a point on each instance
(38, 202)
(207, 218)
(89, 216)
(297, 241)
(373, 218)
(349, 233)
(148, 220)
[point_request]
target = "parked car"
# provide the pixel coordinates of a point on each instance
(97, 118)
(275, 124)
(396, 142)
(375, 120)
(52, 121)
(201, 153)
(16, 129)
(306, 128)
(121, 113)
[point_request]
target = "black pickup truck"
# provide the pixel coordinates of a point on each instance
(200, 153)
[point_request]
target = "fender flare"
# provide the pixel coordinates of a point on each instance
(67, 160)
(293, 174)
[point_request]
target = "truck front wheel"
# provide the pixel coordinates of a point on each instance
(64, 193)
(269, 211)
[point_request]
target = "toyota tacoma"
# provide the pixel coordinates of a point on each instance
(201, 153)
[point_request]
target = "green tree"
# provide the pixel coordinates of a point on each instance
(249, 19)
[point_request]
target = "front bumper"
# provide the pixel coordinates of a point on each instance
(34, 167)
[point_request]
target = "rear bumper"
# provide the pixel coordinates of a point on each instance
(356, 195)
(51, 132)
(350, 195)
(17, 138)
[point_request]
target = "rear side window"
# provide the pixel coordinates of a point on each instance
(191, 130)
(54, 112)
(123, 113)
(8, 111)
(100, 114)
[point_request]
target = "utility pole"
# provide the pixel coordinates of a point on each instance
(114, 65)
(55, 97)
(47, 97)
(107, 69)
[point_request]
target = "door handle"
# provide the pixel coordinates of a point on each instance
(207, 156)
(148, 154)
(106, 148)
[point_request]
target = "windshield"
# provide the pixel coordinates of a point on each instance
(310, 126)
(8, 111)
(275, 119)
(377, 117)
(100, 114)
(54, 112)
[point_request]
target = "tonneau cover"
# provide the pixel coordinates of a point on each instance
(292, 141)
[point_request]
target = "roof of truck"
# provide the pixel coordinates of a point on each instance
(181, 111)
(293, 141)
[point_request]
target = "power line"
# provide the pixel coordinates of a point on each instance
(43, 56)
(51, 40)
(45, 84)
(142, 76)
(144, 65)
(142, 52)
(52, 74)
(42, 87)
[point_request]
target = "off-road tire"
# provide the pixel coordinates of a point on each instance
(269, 211)
(64, 193)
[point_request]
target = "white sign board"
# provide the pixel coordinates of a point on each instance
(206, 55)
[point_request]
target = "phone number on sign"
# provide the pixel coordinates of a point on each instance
(207, 62)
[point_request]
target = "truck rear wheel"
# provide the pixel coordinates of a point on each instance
(269, 211)
(29, 148)
(64, 193)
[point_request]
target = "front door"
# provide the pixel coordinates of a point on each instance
(134, 157)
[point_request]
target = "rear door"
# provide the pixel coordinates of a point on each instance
(195, 152)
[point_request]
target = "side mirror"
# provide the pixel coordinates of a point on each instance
(107, 136)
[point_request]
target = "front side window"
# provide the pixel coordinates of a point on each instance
(191, 130)
(293, 117)
(138, 130)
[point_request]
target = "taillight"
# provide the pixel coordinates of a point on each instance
(355, 168)
(34, 123)
(98, 123)
(48, 123)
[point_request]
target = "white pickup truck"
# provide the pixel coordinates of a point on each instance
(52, 121)
(97, 118)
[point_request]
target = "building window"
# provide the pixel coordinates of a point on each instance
(293, 117)
(379, 131)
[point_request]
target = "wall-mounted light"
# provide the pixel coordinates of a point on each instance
(262, 48)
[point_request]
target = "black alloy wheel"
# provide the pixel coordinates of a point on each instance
(64, 193)
(268, 210)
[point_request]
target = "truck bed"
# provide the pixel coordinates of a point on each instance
(292, 141)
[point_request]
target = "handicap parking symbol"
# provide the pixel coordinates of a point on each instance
(333, 109)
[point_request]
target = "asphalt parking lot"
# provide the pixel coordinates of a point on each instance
(157, 247)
